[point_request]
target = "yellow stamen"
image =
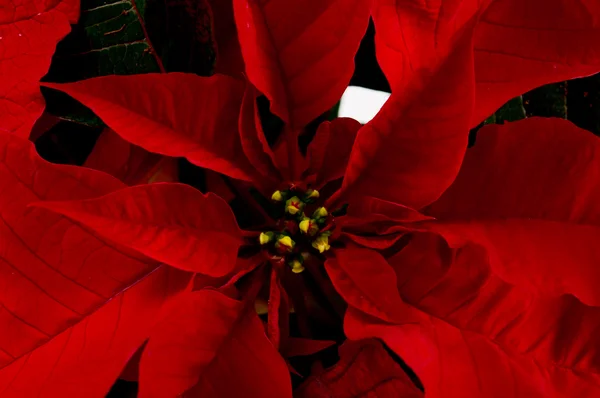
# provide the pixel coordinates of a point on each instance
(321, 243)
(321, 212)
(277, 196)
(293, 205)
(286, 241)
(309, 226)
(312, 194)
(265, 237)
(297, 266)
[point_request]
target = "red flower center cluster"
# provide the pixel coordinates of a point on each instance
(301, 231)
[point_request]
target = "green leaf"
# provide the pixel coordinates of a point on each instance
(110, 38)
(131, 37)
(511, 111)
(547, 101)
(583, 99)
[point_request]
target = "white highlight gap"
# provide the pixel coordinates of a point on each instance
(361, 103)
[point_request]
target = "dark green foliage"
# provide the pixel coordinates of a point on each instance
(130, 37)
(547, 101)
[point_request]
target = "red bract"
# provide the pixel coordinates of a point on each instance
(355, 375)
(29, 31)
(493, 295)
(74, 307)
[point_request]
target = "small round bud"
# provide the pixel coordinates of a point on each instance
(321, 212)
(321, 243)
(265, 237)
(297, 266)
(285, 243)
(312, 194)
(308, 226)
(293, 205)
(277, 196)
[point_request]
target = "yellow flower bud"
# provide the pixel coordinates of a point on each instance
(285, 242)
(304, 224)
(277, 196)
(261, 306)
(321, 243)
(265, 237)
(293, 205)
(297, 266)
(308, 226)
(321, 212)
(312, 194)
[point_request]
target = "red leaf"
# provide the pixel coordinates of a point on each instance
(412, 150)
(416, 35)
(300, 54)
(229, 55)
(254, 142)
(296, 346)
(518, 46)
(366, 281)
(330, 150)
(172, 223)
(174, 114)
(523, 45)
(29, 31)
(74, 308)
(365, 369)
(217, 347)
(480, 335)
(129, 163)
(527, 192)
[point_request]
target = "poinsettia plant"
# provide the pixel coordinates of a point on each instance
(308, 257)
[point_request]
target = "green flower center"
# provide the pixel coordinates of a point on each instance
(304, 230)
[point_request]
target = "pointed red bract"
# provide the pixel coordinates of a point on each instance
(412, 36)
(29, 31)
(74, 308)
(212, 346)
(412, 150)
(366, 281)
(130, 163)
(174, 114)
(522, 45)
(229, 55)
(254, 142)
(365, 369)
(479, 335)
(300, 54)
(330, 149)
(297, 346)
(527, 192)
(518, 45)
(172, 223)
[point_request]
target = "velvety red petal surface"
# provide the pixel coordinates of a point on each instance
(517, 45)
(129, 163)
(217, 347)
(229, 55)
(412, 150)
(169, 222)
(528, 193)
(74, 308)
(522, 45)
(481, 336)
(415, 35)
(300, 54)
(365, 280)
(173, 114)
(254, 142)
(330, 149)
(365, 369)
(29, 31)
